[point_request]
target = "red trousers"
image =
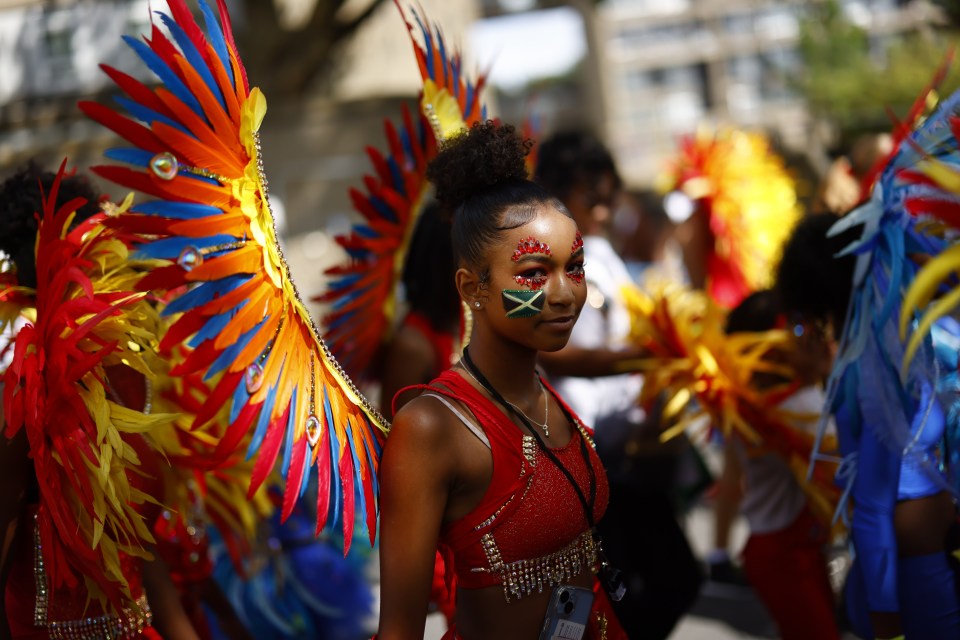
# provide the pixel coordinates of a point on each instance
(788, 570)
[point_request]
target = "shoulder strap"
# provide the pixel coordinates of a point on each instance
(477, 431)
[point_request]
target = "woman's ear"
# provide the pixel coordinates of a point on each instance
(471, 287)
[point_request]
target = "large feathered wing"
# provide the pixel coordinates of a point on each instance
(362, 292)
(56, 390)
(196, 149)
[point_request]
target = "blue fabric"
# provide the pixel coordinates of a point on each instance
(927, 592)
(882, 478)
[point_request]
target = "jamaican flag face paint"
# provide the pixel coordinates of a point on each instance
(522, 303)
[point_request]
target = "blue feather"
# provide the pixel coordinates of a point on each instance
(263, 421)
(194, 57)
(147, 115)
(170, 248)
(307, 465)
(166, 75)
(230, 354)
(398, 184)
(334, 462)
(469, 109)
(240, 397)
(176, 210)
(443, 57)
(215, 36)
(288, 446)
(214, 326)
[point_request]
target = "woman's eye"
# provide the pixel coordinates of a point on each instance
(576, 272)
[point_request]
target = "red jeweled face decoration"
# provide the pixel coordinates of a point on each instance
(534, 282)
(577, 275)
(531, 246)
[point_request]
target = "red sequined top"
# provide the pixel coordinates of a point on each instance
(529, 531)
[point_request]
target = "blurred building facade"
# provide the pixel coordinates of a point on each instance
(667, 66)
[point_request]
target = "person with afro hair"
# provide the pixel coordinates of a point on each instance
(489, 461)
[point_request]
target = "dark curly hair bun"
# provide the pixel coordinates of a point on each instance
(21, 202)
(476, 160)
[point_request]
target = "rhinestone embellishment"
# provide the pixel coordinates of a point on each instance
(164, 165)
(253, 378)
(313, 430)
(190, 258)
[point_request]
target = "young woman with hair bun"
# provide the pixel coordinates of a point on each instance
(488, 462)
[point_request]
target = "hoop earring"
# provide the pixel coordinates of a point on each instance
(476, 304)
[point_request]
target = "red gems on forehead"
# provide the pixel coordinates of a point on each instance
(530, 245)
(577, 244)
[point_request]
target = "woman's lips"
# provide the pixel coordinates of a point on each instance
(560, 323)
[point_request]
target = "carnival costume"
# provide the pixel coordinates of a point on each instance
(197, 151)
(890, 421)
(529, 532)
(75, 565)
(698, 371)
(362, 292)
(750, 202)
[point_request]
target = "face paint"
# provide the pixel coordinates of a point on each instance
(578, 275)
(521, 303)
(531, 246)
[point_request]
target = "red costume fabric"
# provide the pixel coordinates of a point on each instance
(35, 612)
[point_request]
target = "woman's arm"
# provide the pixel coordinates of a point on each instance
(591, 363)
(416, 473)
(169, 617)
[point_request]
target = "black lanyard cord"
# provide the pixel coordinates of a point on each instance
(587, 506)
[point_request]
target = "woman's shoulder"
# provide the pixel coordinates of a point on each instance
(423, 418)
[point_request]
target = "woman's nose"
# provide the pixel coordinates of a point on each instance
(560, 292)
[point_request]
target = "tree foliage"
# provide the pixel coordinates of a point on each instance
(855, 82)
(287, 61)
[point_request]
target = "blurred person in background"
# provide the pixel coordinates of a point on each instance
(784, 557)
(903, 581)
(427, 342)
(35, 607)
(641, 533)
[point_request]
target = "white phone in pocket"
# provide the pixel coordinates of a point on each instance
(567, 614)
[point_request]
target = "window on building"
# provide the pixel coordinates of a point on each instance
(58, 32)
(778, 23)
(738, 24)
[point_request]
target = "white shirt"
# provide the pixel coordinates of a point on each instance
(772, 497)
(604, 323)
